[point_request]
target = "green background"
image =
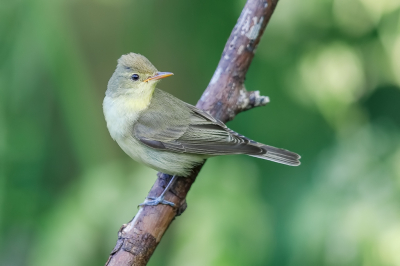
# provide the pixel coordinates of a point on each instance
(331, 69)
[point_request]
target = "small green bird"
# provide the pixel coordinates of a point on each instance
(165, 133)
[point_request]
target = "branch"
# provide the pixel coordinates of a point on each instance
(224, 97)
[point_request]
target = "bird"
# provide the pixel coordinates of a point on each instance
(169, 135)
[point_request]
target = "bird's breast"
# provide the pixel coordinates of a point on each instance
(120, 117)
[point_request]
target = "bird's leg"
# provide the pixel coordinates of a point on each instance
(153, 201)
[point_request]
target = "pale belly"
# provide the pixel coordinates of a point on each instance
(180, 164)
(120, 116)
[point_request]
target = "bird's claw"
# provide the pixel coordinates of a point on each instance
(153, 201)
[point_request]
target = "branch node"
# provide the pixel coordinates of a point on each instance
(182, 207)
(251, 99)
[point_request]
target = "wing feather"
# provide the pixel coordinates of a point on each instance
(183, 128)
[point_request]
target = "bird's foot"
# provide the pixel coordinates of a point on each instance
(153, 201)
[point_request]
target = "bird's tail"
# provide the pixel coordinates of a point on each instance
(278, 155)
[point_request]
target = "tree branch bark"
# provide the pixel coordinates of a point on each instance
(224, 97)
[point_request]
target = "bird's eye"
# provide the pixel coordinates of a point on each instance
(135, 77)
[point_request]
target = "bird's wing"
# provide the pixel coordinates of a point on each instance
(186, 129)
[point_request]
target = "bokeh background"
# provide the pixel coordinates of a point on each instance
(331, 69)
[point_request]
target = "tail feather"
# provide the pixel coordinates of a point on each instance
(278, 155)
(271, 153)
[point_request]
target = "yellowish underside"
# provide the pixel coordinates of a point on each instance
(140, 102)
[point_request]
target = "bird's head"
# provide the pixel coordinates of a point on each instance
(135, 76)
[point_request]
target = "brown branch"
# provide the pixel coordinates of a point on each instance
(224, 97)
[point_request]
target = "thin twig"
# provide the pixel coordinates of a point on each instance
(224, 97)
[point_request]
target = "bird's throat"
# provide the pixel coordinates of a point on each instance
(140, 100)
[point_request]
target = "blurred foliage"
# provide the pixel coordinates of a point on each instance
(331, 69)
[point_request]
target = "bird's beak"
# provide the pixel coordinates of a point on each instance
(159, 75)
